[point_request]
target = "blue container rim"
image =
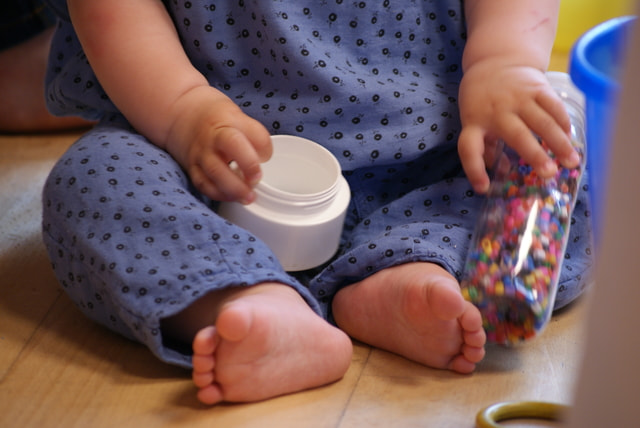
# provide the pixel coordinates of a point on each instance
(583, 73)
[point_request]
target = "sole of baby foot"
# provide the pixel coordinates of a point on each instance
(267, 342)
(415, 310)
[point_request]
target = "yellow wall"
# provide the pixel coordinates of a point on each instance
(578, 16)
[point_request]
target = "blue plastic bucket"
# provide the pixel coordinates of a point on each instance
(595, 65)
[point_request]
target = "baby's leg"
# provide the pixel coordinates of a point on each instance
(259, 342)
(577, 267)
(132, 246)
(414, 310)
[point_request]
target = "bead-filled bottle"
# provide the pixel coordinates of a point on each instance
(516, 252)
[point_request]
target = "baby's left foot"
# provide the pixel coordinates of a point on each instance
(415, 310)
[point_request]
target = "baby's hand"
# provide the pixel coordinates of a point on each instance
(508, 103)
(209, 133)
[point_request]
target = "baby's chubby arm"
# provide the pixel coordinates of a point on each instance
(504, 93)
(136, 54)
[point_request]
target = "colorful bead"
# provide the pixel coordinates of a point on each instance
(515, 257)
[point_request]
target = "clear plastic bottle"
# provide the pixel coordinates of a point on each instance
(517, 249)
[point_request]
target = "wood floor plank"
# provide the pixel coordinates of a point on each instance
(393, 392)
(73, 373)
(27, 292)
(27, 288)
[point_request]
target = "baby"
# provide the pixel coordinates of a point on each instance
(409, 95)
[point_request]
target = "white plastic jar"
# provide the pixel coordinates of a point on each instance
(300, 205)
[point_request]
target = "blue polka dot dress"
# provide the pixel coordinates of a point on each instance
(374, 81)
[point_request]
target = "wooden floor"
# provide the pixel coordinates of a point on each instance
(57, 369)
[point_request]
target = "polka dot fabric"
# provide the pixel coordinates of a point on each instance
(375, 82)
(131, 243)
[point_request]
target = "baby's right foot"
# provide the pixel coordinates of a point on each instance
(266, 342)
